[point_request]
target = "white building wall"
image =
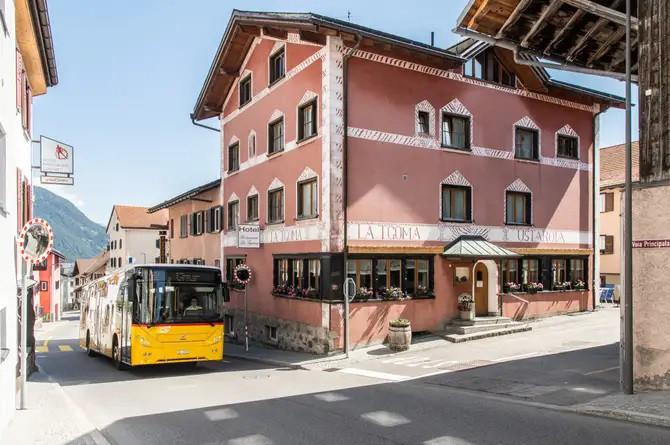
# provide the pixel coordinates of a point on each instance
(17, 149)
(141, 245)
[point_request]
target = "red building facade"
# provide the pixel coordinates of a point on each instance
(338, 138)
(47, 298)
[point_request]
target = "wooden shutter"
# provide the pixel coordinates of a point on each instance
(19, 200)
(609, 244)
(29, 201)
(609, 202)
(529, 209)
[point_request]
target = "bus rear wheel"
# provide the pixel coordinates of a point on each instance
(90, 352)
(116, 355)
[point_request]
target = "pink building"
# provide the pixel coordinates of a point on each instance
(423, 166)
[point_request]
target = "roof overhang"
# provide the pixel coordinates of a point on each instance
(186, 196)
(244, 26)
(476, 247)
(33, 36)
(578, 35)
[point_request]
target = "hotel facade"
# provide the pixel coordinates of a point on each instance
(417, 164)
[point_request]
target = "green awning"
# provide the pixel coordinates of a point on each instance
(470, 246)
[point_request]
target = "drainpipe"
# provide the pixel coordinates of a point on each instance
(595, 217)
(345, 177)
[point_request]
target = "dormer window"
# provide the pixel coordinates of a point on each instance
(245, 90)
(486, 66)
(277, 66)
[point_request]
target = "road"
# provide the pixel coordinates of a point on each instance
(241, 402)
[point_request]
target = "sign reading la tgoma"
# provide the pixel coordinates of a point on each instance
(249, 236)
(56, 162)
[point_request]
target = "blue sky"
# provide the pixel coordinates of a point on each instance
(130, 72)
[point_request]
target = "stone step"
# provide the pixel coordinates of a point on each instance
(481, 321)
(471, 329)
(460, 338)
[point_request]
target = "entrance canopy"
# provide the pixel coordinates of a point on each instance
(588, 34)
(469, 246)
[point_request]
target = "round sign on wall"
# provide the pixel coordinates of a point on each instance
(242, 274)
(35, 241)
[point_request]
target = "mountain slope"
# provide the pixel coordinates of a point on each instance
(75, 236)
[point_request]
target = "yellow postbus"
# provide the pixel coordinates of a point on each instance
(153, 314)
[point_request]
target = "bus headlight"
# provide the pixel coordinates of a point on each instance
(216, 339)
(142, 341)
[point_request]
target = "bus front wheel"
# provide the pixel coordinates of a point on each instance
(89, 351)
(116, 354)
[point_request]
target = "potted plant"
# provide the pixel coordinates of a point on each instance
(511, 287)
(533, 288)
(579, 285)
(465, 302)
(400, 334)
(363, 293)
(393, 293)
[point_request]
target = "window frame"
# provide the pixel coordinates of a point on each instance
(404, 281)
(608, 248)
(301, 120)
(183, 226)
(245, 86)
(234, 161)
(282, 204)
(575, 139)
(447, 117)
(251, 138)
(233, 218)
(419, 123)
(606, 202)
(272, 77)
(311, 182)
(285, 264)
(535, 156)
(257, 207)
(272, 150)
(468, 203)
(528, 208)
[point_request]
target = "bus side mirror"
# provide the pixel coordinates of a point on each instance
(131, 289)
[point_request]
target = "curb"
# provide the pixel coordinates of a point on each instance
(267, 361)
(629, 416)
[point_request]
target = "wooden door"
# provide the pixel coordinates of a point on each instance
(481, 281)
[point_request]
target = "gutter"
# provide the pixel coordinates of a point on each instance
(198, 124)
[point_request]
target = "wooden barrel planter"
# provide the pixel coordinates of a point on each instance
(400, 335)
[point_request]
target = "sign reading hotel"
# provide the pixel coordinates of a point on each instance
(652, 244)
(249, 236)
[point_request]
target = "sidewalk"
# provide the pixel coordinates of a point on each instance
(652, 408)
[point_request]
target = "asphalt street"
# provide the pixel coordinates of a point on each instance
(244, 402)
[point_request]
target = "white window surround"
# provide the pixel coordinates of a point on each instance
(527, 123)
(306, 175)
(278, 46)
(252, 142)
(275, 185)
(457, 108)
(306, 98)
(518, 186)
(252, 191)
(233, 197)
(425, 106)
(567, 130)
(457, 179)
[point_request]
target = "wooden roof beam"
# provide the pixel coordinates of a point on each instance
(579, 13)
(603, 12)
(582, 41)
(540, 22)
(473, 24)
(513, 17)
(621, 58)
(614, 37)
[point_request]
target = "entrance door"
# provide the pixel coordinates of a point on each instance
(481, 290)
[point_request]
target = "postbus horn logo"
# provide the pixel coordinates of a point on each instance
(61, 153)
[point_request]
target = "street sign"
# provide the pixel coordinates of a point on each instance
(59, 180)
(249, 236)
(56, 157)
(35, 241)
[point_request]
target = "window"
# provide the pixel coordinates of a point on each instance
(526, 143)
(121, 243)
(307, 122)
(281, 268)
(117, 227)
(271, 332)
(233, 215)
(518, 208)
(120, 262)
(229, 324)
(251, 148)
(276, 136)
(307, 199)
(297, 277)
(486, 66)
(606, 202)
(277, 66)
(390, 278)
(314, 274)
(214, 219)
(231, 264)
(276, 206)
(44, 286)
(456, 132)
(577, 270)
(183, 226)
(234, 157)
(245, 90)
(423, 123)
(417, 274)
(530, 271)
(252, 208)
(196, 223)
(559, 269)
(158, 244)
(456, 203)
(568, 147)
(606, 244)
(510, 271)
(3, 172)
(361, 272)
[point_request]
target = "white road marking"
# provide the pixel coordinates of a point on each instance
(419, 363)
(599, 371)
(514, 357)
(374, 374)
(438, 364)
(221, 414)
(447, 440)
(400, 360)
(254, 439)
(385, 418)
(331, 397)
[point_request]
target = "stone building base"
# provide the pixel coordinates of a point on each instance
(283, 334)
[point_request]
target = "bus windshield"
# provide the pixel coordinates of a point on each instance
(187, 302)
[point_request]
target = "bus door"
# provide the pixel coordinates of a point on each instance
(124, 323)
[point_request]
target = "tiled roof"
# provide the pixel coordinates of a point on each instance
(613, 163)
(90, 265)
(131, 217)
